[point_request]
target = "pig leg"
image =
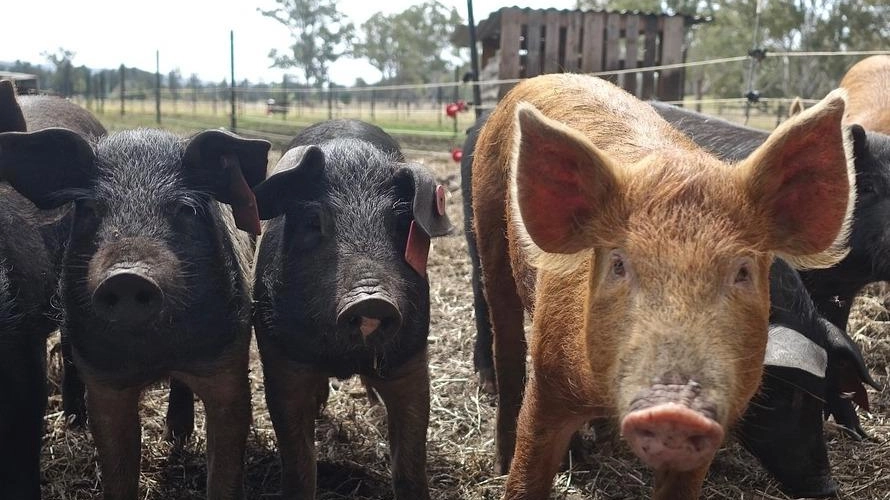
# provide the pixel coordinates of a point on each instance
(676, 485)
(114, 421)
(180, 414)
(22, 405)
(543, 435)
(73, 403)
(506, 314)
(406, 395)
(293, 398)
(226, 396)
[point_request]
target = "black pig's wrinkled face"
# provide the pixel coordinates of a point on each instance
(346, 240)
(334, 283)
(129, 230)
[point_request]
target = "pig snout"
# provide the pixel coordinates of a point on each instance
(131, 281)
(128, 294)
(369, 314)
(672, 426)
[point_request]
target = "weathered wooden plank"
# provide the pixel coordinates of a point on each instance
(534, 43)
(613, 44)
(511, 34)
(670, 81)
(592, 46)
(631, 51)
(552, 18)
(650, 56)
(572, 58)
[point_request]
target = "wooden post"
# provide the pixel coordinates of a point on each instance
(123, 86)
(592, 46)
(511, 32)
(533, 44)
(234, 122)
(552, 23)
(670, 81)
(631, 52)
(158, 87)
(650, 55)
(572, 50)
(613, 45)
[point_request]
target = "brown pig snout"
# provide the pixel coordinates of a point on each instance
(370, 314)
(128, 294)
(671, 426)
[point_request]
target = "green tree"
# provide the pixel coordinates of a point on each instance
(320, 34)
(63, 78)
(412, 46)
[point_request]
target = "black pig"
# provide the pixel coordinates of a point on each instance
(154, 279)
(29, 260)
(341, 289)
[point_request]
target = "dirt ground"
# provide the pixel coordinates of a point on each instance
(351, 434)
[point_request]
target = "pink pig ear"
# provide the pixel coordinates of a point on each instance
(563, 186)
(802, 179)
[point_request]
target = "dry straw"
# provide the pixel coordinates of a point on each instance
(351, 434)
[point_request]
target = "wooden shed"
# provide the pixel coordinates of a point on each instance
(25, 83)
(522, 42)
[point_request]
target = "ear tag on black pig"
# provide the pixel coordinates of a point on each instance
(791, 349)
(440, 199)
(244, 207)
(417, 250)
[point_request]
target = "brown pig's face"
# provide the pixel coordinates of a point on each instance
(678, 302)
(683, 294)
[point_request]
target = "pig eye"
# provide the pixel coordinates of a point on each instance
(743, 274)
(617, 265)
(185, 210)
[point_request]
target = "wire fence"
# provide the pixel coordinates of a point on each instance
(436, 110)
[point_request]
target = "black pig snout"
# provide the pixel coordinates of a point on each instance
(133, 280)
(369, 314)
(128, 294)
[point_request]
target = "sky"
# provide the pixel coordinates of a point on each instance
(189, 35)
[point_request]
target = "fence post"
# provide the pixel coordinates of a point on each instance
(123, 71)
(158, 87)
(232, 81)
(330, 100)
(373, 102)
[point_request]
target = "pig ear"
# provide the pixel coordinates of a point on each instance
(802, 179)
(296, 170)
(49, 167)
(564, 188)
(842, 348)
(228, 166)
(11, 118)
(428, 204)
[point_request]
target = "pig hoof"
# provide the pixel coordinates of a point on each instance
(487, 381)
(672, 436)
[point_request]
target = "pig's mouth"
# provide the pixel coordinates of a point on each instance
(370, 318)
(672, 427)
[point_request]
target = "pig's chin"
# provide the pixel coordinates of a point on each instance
(672, 427)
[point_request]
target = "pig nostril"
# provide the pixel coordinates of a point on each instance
(143, 297)
(109, 299)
